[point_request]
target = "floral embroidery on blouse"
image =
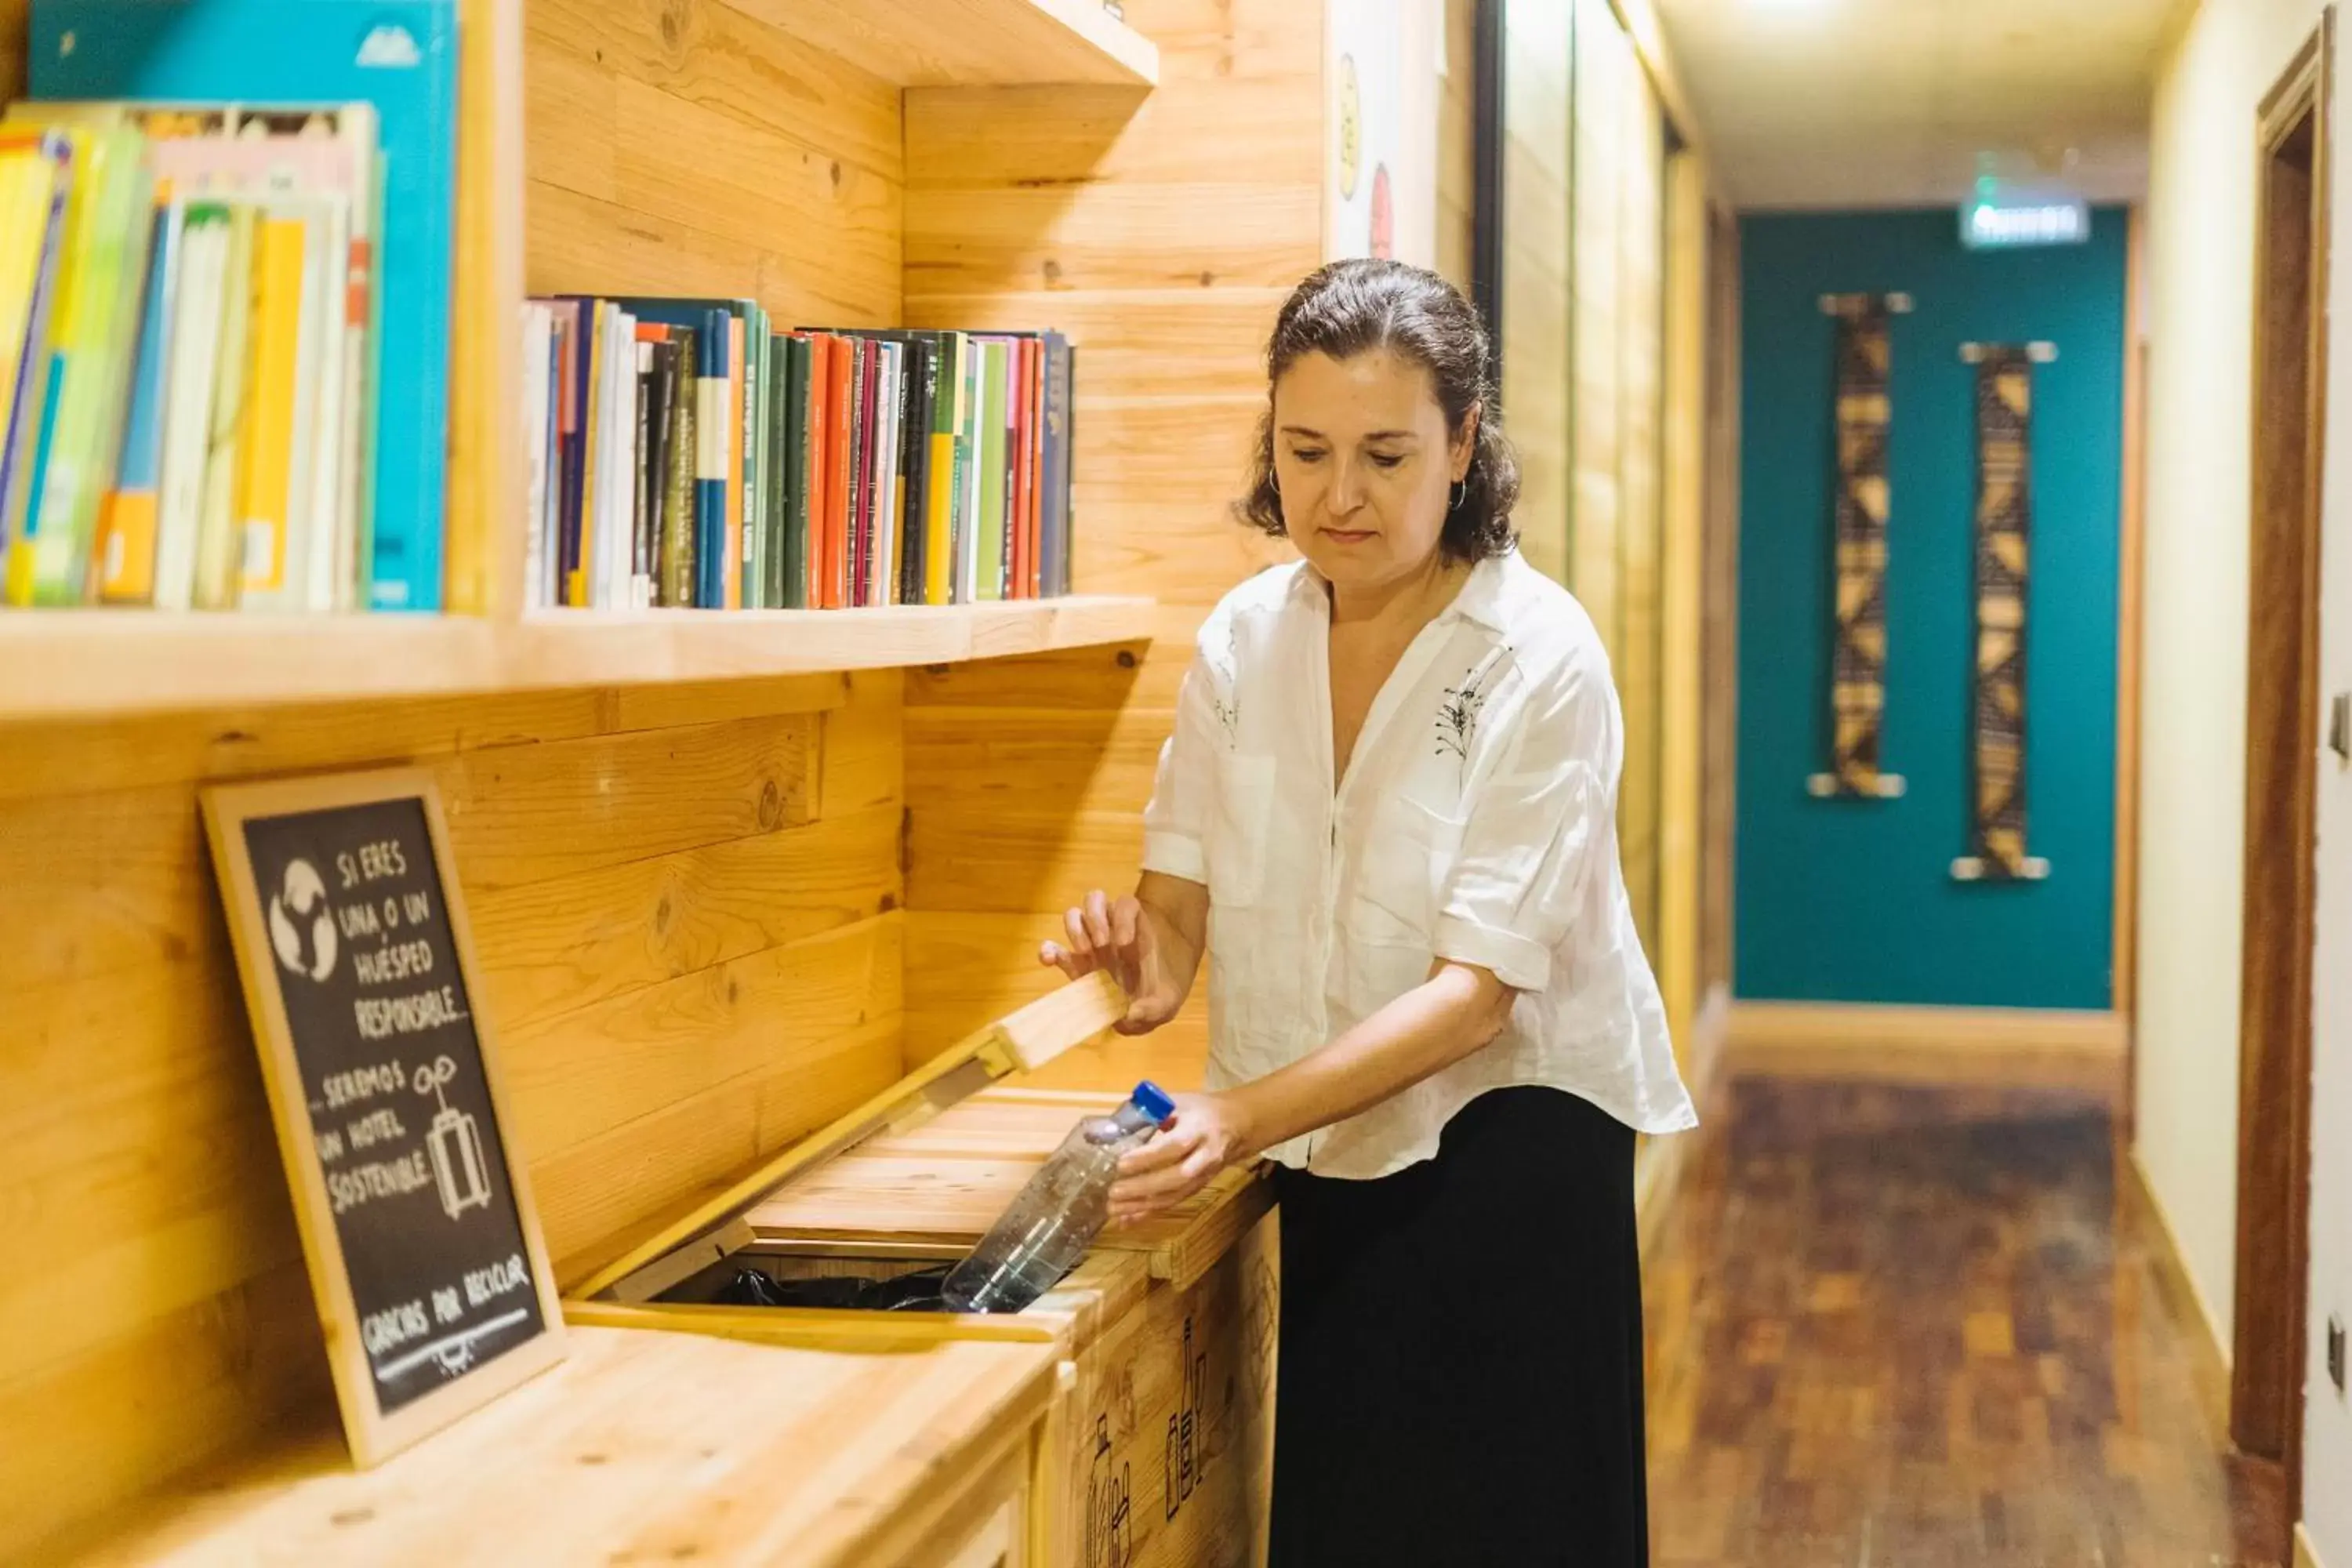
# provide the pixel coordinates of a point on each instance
(1457, 712)
(1228, 702)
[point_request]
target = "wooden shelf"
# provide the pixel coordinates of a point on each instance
(974, 43)
(73, 664)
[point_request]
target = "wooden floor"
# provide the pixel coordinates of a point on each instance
(1921, 1327)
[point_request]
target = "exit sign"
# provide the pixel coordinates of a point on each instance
(1988, 224)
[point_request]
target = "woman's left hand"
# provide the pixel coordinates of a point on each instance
(1208, 1134)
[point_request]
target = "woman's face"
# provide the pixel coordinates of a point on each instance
(1365, 465)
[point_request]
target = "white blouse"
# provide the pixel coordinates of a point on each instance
(1476, 823)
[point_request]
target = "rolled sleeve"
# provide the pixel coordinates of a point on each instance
(1538, 828)
(1176, 824)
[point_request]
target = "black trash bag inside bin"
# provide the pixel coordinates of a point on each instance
(917, 1292)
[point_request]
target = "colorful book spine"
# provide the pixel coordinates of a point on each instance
(128, 523)
(194, 360)
(796, 450)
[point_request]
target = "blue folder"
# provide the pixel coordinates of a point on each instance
(400, 56)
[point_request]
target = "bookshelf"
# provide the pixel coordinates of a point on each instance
(709, 856)
(102, 664)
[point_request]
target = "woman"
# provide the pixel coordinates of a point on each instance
(1386, 816)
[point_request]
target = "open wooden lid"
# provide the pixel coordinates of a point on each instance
(1022, 1041)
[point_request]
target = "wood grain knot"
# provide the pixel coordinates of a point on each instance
(771, 806)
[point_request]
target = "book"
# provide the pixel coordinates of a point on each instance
(398, 57)
(224, 447)
(103, 268)
(128, 515)
(863, 468)
(198, 314)
(38, 170)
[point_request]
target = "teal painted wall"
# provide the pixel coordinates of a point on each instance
(1854, 901)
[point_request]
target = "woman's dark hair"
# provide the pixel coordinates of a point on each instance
(1349, 307)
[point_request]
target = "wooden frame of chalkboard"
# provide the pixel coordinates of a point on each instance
(358, 965)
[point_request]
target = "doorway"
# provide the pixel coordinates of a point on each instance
(2281, 763)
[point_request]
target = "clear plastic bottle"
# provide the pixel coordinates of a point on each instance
(1045, 1231)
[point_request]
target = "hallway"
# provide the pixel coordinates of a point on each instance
(1927, 1327)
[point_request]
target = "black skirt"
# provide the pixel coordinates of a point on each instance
(1460, 1381)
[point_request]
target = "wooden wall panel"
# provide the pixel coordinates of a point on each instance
(1162, 231)
(1720, 599)
(690, 959)
(1457, 145)
(1683, 628)
(1641, 405)
(1536, 302)
(679, 146)
(1603, 68)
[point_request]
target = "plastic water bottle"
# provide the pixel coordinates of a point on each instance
(1046, 1230)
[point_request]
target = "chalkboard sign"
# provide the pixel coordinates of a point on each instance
(424, 1252)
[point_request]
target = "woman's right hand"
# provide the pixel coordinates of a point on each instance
(1120, 935)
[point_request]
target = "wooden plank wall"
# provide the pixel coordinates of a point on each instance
(686, 908)
(1457, 128)
(686, 148)
(1720, 604)
(1682, 703)
(688, 902)
(1162, 232)
(1536, 368)
(1603, 63)
(1640, 629)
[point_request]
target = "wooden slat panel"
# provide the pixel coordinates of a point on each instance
(1604, 63)
(1039, 861)
(974, 42)
(1233, 40)
(648, 1446)
(595, 1198)
(137, 1161)
(581, 1074)
(949, 1179)
(613, 138)
(1456, 149)
(554, 948)
(982, 763)
(1684, 630)
(1123, 674)
(139, 1172)
(1536, 301)
(864, 765)
(581, 245)
(1248, 133)
(526, 814)
(1113, 236)
(92, 883)
(188, 1385)
(685, 148)
(1641, 391)
(964, 970)
(712, 56)
(1719, 598)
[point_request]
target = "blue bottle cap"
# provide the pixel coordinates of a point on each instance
(1153, 1101)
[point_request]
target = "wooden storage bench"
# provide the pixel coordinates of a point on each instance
(1168, 1329)
(659, 1448)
